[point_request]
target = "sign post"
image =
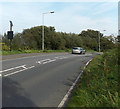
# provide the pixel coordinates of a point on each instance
(10, 35)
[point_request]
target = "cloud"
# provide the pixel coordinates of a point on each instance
(72, 18)
(68, 17)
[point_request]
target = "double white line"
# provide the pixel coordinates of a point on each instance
(22, 66)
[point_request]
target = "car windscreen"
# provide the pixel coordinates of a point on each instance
(75, 48)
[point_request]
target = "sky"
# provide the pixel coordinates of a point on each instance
(70, 16)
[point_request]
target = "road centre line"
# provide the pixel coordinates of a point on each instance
(25, 57)
(39, 62)
(18, 71)
(12, 68)
(61, 57)
(49, 61)
(45, 61)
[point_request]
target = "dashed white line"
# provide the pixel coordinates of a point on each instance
(61, 57)
(39, 62)
(49, 61)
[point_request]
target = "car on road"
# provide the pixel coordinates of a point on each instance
(78, 50)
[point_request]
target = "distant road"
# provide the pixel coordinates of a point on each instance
(41, 80)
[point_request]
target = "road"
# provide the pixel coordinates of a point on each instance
(40, 81)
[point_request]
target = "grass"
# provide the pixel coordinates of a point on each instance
(98, 85)
(3, 52)
(30, 51)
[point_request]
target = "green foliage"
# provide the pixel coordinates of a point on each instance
(99, 83)
(90, 40)
(30, 51)
(32, 39)
(5, 47)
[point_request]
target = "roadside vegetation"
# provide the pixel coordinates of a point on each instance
(98, 86)
(32, 51)
(30, 40)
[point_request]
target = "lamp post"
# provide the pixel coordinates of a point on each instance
(99, 46)
(43, 27)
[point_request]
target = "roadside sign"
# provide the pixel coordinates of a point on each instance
(10, 35)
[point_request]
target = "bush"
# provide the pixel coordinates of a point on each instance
(99, 83)
(5, 47)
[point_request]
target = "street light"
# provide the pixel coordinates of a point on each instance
(99, 40)
(43, 27)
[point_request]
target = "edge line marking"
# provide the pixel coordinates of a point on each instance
(65, 98)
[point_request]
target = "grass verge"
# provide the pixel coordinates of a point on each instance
(30, 51)
(98, 85)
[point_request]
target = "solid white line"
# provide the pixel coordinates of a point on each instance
(12, 68)
(69, 92)
(18, 71)
(71, 88)
(88, 62)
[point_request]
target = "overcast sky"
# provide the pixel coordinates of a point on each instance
(68, 17)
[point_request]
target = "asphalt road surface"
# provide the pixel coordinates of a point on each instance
(40, 81)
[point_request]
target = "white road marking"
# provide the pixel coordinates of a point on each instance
(61, 57)
(49, 61)
(88, 62)
(18, 71)
(71, 88)
(24, 67)
(12, 68)
(69, 92)
(25, 57)
(40, 62)
(0, 74)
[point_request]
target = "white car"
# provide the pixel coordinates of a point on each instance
(78, 50)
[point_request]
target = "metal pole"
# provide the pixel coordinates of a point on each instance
(43, 31)
(99, 40)
(11, 24)
(10, 44)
